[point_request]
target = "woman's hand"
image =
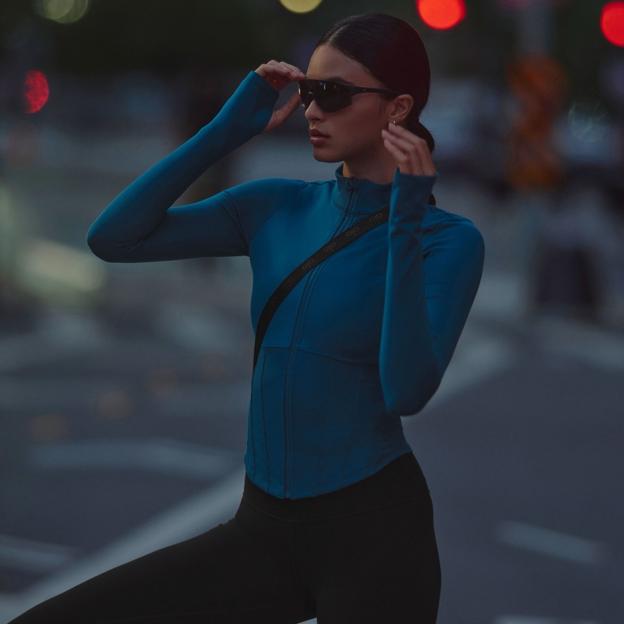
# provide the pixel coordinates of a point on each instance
(279, 75)
(410, 151)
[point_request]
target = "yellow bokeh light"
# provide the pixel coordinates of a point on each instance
(300, 6)
(62, 11)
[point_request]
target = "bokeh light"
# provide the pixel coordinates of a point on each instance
(36, 91)
(300, 6)
(612, 22)
(62, 11)
(442, 14)
(587, 121)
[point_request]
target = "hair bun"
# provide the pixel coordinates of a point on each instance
(424, 133)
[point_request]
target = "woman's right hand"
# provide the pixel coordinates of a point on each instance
(278, 75)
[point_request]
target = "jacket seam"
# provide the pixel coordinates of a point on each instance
(262, 410)
(339, 359)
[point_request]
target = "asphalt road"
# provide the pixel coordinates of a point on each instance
(121, 434)
(122, 429)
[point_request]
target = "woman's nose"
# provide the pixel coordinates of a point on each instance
(312, 110)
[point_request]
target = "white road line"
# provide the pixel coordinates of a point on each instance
(198, 330)
(477, 357)
(192, 517)
(553, 543)
(530, 619)
(502, 295)
(24, 554)
(172, 457)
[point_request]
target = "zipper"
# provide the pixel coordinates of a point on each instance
(286, 399)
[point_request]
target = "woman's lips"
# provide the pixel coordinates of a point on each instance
(317, 139)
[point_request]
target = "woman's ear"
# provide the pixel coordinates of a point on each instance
(401, 106)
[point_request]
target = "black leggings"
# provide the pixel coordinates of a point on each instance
(364, 553)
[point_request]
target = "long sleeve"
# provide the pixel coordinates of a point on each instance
(140, 224)
(428, 295)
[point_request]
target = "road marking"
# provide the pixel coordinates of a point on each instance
(553, 543)
(171, 457)
(479, 357)
(192, 517)
(25, 554)
(530, 619)
(198, 330)
(501, 295)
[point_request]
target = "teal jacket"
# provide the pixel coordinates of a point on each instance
(363, 339)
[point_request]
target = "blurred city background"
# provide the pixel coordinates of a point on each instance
(124, 387)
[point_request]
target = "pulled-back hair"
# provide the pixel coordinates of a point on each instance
(393, 52)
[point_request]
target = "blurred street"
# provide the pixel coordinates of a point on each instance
(124, 387)
(124, 424)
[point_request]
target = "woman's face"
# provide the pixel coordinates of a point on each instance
(356, 129)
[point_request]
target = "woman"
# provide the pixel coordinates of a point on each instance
(336, 518)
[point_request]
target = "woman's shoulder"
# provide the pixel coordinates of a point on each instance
(262, 187)
(254, 202)
(438, 219)
(263, 194)
(444, 229)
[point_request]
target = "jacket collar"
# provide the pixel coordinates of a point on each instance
(359, 195)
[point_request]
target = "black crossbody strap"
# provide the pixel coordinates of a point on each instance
(317, 257)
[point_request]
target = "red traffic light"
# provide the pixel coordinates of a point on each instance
(612, 22)
(441, 14)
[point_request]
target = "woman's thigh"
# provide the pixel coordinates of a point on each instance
(238, 571)
(378, 566)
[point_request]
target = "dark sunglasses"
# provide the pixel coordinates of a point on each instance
(332, 96)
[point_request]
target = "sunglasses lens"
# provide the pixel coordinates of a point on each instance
(306, 98)
(332, 103)
(329, 96)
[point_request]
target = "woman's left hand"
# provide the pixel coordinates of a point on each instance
(410, 151)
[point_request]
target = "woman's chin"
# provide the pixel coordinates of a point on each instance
(323, 155)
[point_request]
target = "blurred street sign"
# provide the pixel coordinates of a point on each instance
(539, 84)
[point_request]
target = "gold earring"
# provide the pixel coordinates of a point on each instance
(394, 121)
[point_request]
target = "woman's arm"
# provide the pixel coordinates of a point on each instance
(428, 296)
(141, 224)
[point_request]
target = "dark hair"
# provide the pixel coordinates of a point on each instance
(393, 52)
